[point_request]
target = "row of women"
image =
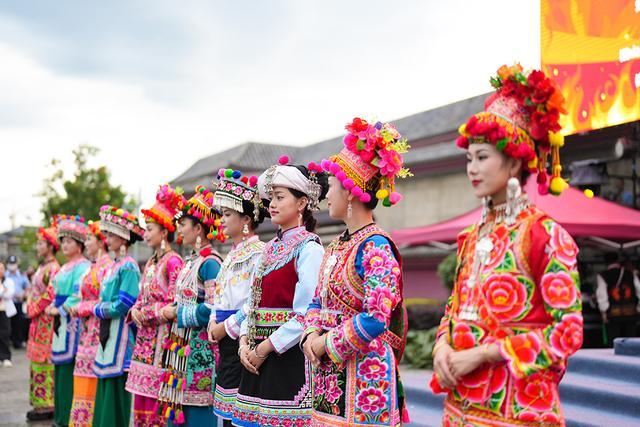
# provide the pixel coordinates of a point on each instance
(289, 333)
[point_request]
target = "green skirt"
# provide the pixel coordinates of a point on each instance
(113, 403)
(63, 393)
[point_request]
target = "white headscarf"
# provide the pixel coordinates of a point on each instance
(283, 176)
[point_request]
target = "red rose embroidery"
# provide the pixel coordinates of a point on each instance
(534, 393)
(563, 246)
(526, 347)
(558, 289)
(505, 295)
(500, 241)
(477, 385)
(463, 337)
(566, 337)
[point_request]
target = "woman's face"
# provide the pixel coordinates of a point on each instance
(284, 207)
(92, 245)
(42, 248)
(189, 231)
(338, 199)
(70, 247)
(489, 170)
(155, 235)
(115, 242)
(233, 222)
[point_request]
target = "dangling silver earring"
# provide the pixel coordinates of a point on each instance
(163, 246)
(513, 198)
(245, 231)
(123, 250)
(486, 201)
(300, 219)
(349, 210)
(198, 242)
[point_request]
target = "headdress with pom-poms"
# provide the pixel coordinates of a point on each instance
(50, 234)
(94, 228)
(72, 226)
(200, 208)
(163, 212)
(120, 222)
(289, 176)
(234, 188)
(522, 120)
(370, 161)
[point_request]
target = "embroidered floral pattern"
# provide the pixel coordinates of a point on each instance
(530, 306)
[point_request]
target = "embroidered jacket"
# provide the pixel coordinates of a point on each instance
(89, 342)
(41, 295)
(233, 285)
(525, 297)
(117, 296)
(157, 289)
(66, 285)
(358, 307)
(197, 368)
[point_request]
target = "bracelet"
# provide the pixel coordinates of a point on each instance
(255, 351)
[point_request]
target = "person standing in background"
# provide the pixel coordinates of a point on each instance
(19, 322)
(7, 311)
(40, 296)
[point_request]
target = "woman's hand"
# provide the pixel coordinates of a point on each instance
(308, 350)
(244, 359)
(169, 312)
(53, 311)
(216, 331)
(441, 365)
(318, 347)
(135, 316)
(73, 311)
(464, 362)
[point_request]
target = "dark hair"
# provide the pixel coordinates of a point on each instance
(171, 236)
(524, 171)
(310, 222)
(247, 210)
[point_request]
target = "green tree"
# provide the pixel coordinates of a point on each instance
(447, 270)
(84, 192)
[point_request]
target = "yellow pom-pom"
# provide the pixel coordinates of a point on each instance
(589, 193)
(217, 223)
(119, 212)
(556, 139)
(533, 163)
(462, 130)
(557, 185)
(382, 194)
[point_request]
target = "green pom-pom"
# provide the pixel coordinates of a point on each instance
(386, 202)
(500, 145)
(228, 173)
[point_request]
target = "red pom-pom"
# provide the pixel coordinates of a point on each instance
(253, 181)
(325, 164)
(283, 160)
(357, 191)
(244, 180)
(365, 198)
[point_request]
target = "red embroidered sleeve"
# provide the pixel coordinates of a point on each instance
(553, 262)
(151, 312)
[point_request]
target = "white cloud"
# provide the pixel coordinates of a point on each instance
(287, 72)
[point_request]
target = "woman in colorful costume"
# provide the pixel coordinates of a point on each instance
(274, 388)
(118, 294)
(40, 296)
(72, 232)
(84, 380)
(355, 328)
(238, 201)
(157, 289)
(189, 359)
(514, 316)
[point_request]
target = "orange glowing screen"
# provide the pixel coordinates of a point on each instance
(592, 48)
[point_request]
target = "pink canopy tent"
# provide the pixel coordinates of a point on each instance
(597, 219)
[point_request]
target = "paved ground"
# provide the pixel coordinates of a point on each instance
(14, 393)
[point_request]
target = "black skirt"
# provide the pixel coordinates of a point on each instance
(227, 378)
(281, 391)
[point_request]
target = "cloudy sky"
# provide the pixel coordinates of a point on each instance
(158, 84)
